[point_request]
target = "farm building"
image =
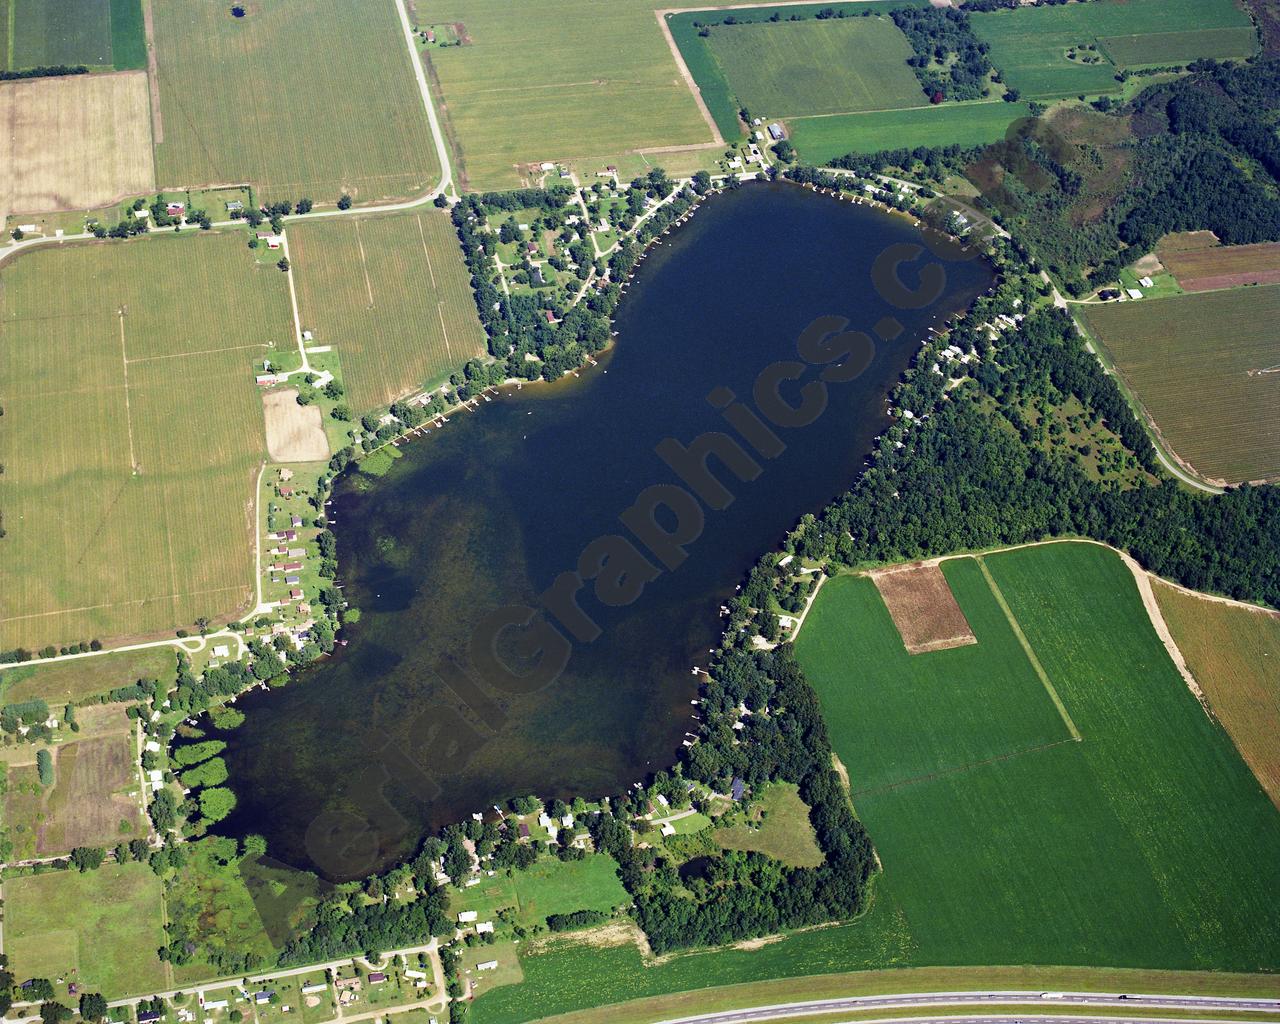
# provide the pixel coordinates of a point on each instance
(488, 965)
(377, 978)
(235, 206)
(467, 917)
(175, 209)
(775, 131)
(273, 241)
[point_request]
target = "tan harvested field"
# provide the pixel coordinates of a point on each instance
(1226, 266)
(923, 608)
(75, 142)
(93, 798)
(567, 80)
(392, 295)
(1234, 653)
(299, 98)
(1204, 368)
(295, 433)
(133, 432)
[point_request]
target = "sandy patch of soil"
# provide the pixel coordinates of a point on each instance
(295, 433)
(923, 608)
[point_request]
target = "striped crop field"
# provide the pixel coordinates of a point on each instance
(818, 67)
(1234, 654)
(132, 433)
(1223, 266)
(298, 98)
(568, 80)
(391, 295)
(1206, 368)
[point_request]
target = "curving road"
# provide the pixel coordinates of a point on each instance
(994, 998)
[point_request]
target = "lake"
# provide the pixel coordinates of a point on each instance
(345, 769)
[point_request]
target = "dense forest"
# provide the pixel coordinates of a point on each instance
(949, 61)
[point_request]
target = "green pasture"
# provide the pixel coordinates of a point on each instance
(550, 886)
(820, 140)
(1029, 44)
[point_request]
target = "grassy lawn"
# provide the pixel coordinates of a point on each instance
(550, 886)
(779, 827)
(299, 98)
(1191, 361)
(568, 80)
(1030, 45)
(506, 973)
(70, 681)
(130, 408)
(1234, 655)
(817, 67)
(1002, 852)
(822, 139)
(392, 296)
(100, 929)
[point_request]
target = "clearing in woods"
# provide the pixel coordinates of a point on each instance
(130, 409)
(77, 142)
(1223, 266)
(793, 68)
(1030, 45)
(570, 80)
(923, 608)
(1206, 367)
(295, 433)
(1234, 653)
(333, 105)
(391, 295)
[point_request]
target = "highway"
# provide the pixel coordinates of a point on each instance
(994, 998)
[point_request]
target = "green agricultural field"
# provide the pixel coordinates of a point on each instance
(1030, 45)
(71, 681)
(391, 295)
(1002, 840)
(817, 67)
(1192, 362)
(102, 928)
(130, 409)
(128, 35)
(47, 32)
(567, 80)
(822, 139)
(298, 98)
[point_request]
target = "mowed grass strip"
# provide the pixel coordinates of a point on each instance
(567, 79)
(1029, 45)
(391, 295)
(1022, 858)
(822, 139)
(133, 433)
(1194, 362)
(299, 97)
(550, 886)
(1234, 654)
(817, 67)
(102, 928)
(47, 32)
(849, 639)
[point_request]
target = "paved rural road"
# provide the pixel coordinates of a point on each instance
(997, 998)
